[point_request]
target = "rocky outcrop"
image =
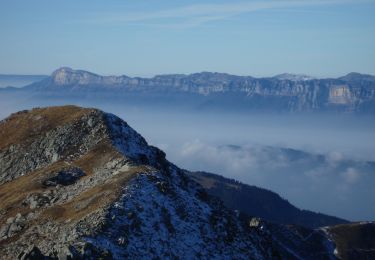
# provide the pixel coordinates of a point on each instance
(36, 139)
(80, 183)
(67, 76)
(33, 140)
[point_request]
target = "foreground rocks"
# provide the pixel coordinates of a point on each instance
(80, 183)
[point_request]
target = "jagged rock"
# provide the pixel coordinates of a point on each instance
(19, 218)
(14, 228)
(38, 200)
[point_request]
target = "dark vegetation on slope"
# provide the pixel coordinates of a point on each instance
(262, 203)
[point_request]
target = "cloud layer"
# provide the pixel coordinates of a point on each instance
(327, 183)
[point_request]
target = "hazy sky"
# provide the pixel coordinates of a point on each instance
(143, 38)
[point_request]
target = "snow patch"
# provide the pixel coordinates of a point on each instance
(162, 215)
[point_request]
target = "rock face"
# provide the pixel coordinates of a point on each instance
(67, 76)
(286, 92)
(33, 140)
(81, 183)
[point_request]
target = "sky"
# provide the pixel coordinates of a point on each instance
(322, 38)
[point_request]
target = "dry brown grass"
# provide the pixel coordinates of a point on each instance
(21, 127)
(13, 193)
(89, 201)
(93, 199)
(24, 126)
(98, 156)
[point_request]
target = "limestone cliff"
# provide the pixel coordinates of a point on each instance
(293, 93)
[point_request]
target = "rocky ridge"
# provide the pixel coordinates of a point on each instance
(81, 183)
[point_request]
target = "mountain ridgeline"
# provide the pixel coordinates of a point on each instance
(79, 183)
(353, 93)
(258, 202)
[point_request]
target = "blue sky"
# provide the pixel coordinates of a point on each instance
(143, 38)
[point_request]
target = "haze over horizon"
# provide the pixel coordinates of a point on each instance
(42, 75)
(324, 38)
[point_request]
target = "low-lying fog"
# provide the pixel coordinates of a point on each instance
(250, 147)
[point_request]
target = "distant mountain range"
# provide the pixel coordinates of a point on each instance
(286, 92)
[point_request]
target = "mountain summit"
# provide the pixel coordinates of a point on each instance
(81, 183)
(68, 77)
